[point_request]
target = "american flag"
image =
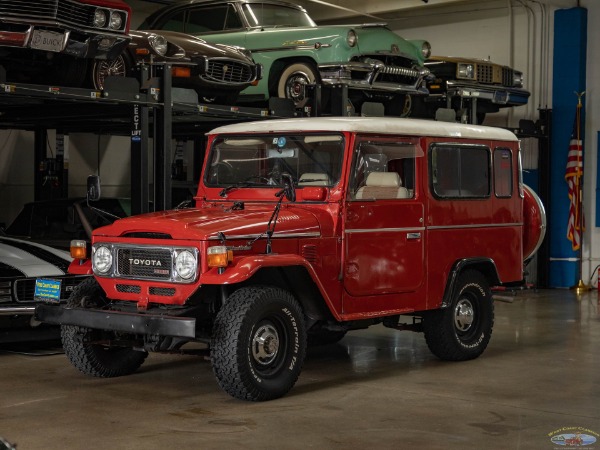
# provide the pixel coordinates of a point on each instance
(573, 176)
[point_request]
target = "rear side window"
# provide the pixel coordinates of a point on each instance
(460, 171)
(503, 181)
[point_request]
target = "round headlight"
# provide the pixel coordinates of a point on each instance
(351, 38)
(159, 44)
(426, 49)
(115, 20)
(100, 18)
(102, 260)
(185, 264)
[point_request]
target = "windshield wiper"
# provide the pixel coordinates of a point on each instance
(232, 187)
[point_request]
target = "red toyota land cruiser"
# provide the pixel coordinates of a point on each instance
(302, 230)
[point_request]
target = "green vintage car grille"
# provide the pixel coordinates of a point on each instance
(228, 71)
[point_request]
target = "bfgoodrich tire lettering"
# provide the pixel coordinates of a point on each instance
(463, 330)
(259, 343)
(96, 359)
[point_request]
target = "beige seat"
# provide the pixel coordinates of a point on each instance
(382, 185)
(313, 179)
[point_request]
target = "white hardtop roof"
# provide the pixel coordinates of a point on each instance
(377, 125)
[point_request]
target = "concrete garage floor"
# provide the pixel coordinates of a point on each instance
(377, 389)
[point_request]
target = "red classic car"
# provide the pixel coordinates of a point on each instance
(53, 38)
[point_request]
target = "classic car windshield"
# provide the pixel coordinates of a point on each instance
(259, 161)
(269, 15)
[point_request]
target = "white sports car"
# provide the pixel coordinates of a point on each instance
(29, 271)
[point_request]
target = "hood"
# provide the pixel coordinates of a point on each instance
(206, 222)
(31, 259)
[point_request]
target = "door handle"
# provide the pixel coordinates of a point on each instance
(413, 236)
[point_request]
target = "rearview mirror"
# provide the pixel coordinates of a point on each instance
(93, 188)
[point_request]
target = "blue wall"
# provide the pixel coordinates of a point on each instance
(569, 73)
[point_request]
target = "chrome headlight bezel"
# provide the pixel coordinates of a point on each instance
(426, 49)
(185, 264)
(517, 79)
(100, 18)
(102, 260)
(465, 71)
(351, 38)
(116, 21)
(158, 43)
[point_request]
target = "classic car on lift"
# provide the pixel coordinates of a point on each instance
(49, 41)
(473, 87)
(373, 61)
(217, 72)
(22, 263)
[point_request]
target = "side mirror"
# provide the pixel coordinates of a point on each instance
(93, 188)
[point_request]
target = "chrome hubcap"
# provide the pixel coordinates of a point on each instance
(265, 345)
(295, 86)
(463, 315)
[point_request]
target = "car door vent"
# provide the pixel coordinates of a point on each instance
(147, 235)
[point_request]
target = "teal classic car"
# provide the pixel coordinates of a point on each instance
(375, 63)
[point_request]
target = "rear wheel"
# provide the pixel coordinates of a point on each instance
(463, 330)
(83, 345)
(259, 343)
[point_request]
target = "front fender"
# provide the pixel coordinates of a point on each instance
(81, 267)
(246, 267)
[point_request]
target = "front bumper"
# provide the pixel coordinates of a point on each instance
(498, 95)
(74, 43)
(124, 322)
(375, 77)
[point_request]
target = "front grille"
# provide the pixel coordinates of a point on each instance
(5, 292)
(63, 11)
(25, 288)
(129, 289)
(154, 263)
(494, 74)
(228, 71)
(396, 69)
(164, 292)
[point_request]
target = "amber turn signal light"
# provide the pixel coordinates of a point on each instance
(181, 72)
(218, 256)
(78, 249)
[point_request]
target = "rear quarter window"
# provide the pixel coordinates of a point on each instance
(460, 171)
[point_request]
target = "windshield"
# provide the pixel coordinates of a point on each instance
(269, 15)
(250, 161)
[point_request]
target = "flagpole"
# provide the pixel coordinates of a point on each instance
(580, 287)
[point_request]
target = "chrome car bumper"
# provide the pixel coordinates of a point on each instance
(499, 95)
(377, 77)
(79, 44)
(16, 310)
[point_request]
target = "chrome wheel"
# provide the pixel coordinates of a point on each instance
(108, 68)
(293, 80)
(265, 345)
(463, 315)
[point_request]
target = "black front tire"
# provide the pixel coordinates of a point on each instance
(259, 343)
(91, 358)
(463, 330)
(294, 78)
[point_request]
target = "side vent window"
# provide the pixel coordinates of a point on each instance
(503, 179)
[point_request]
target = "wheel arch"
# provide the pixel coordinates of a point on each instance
(485, 266)
(298, 281)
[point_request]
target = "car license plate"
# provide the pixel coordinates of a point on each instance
(47, 40)
(500, 97)
(47, 290)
